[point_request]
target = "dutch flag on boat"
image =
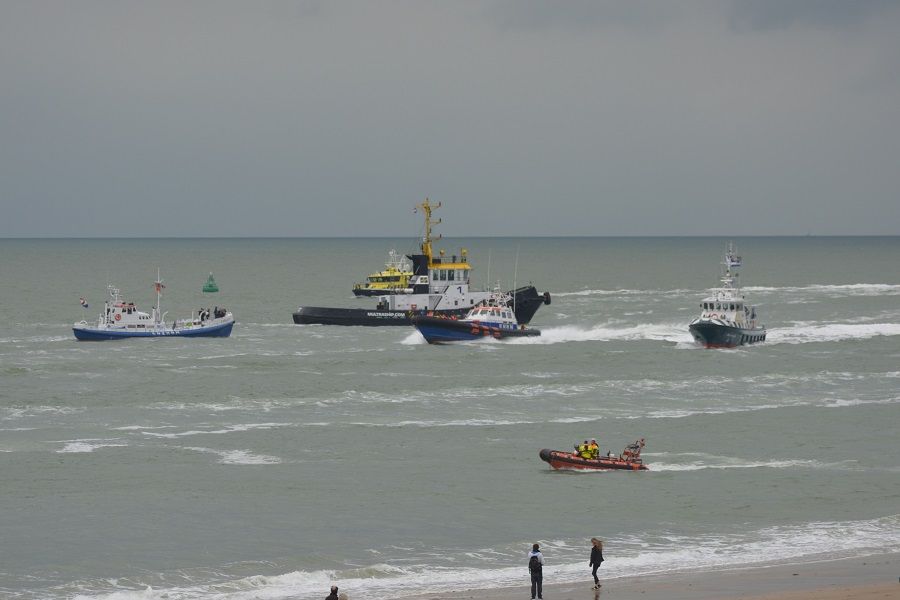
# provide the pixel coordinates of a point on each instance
(83, 302)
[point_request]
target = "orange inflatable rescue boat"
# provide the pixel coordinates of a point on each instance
(629, 460)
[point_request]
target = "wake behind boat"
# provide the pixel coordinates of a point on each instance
(439, 285)
(122, 319)
(726, 320)
(495, 319)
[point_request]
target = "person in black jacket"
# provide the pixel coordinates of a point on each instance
(333, 595)
(596, 559)
(536, 569)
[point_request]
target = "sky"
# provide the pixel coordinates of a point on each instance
(524, 118)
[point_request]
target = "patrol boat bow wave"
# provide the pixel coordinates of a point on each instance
(122, 319)
(439, 285)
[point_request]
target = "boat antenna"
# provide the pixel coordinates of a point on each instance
(158, 284)
(489, 266)
(515, 276)
(426, 238)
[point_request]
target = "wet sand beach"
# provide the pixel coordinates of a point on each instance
(870, 578)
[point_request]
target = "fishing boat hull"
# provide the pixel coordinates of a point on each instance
(719, 334)
(526, 300)
(570, 461)
(441, 330)
(94, 334)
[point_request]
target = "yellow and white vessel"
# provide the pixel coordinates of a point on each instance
(394, 279)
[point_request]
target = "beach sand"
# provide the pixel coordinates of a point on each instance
(870, 578)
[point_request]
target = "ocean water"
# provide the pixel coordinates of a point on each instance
(284, 458)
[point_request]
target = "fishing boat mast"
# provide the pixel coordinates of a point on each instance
(158, 284)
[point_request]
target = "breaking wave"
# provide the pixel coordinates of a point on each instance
(666, 332)
(646, 553)
(805, 333)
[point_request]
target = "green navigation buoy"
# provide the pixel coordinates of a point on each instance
(210, 285)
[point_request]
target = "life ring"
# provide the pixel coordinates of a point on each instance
(118, 316)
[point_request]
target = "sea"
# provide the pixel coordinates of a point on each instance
(287, 458)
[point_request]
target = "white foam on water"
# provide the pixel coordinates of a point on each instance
(657, 552)
(805, 333)
(83, 446)
(238, 457)
(141, 427)
(722, 463)
(837, 290)
(840, 403)
(228, 429)
(668, 332)
(451, 423)
(414, 339)
(17, 412)
(625, 292)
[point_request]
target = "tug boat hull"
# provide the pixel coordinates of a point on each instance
(570, 461)
(712, 334)
(321, 315)
(527, 300)
(439, 330)
(93, 334)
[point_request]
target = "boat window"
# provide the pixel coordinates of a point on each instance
(450, 275)
(718, 306)
(731, 307)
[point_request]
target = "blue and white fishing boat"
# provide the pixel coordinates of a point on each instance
(495, 318)
(121, 319)
(732, 259)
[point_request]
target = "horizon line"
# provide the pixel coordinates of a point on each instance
(378, 237)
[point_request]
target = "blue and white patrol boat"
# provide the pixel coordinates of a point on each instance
(121, 319)
(495, 318)
(726, 320)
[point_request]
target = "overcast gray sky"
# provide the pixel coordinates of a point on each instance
(306, 118)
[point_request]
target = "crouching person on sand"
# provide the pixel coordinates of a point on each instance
(536, 568)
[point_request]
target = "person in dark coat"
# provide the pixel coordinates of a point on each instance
(333, 595)
(596, 559)
(536, 569)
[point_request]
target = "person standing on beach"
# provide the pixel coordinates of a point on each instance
(536, 568)
(596, 559)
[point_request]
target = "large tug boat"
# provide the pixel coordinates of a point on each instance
(439, 285)
(394, 279)
(726, 320)
(122, 319)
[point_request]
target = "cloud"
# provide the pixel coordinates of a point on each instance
(763, 15)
